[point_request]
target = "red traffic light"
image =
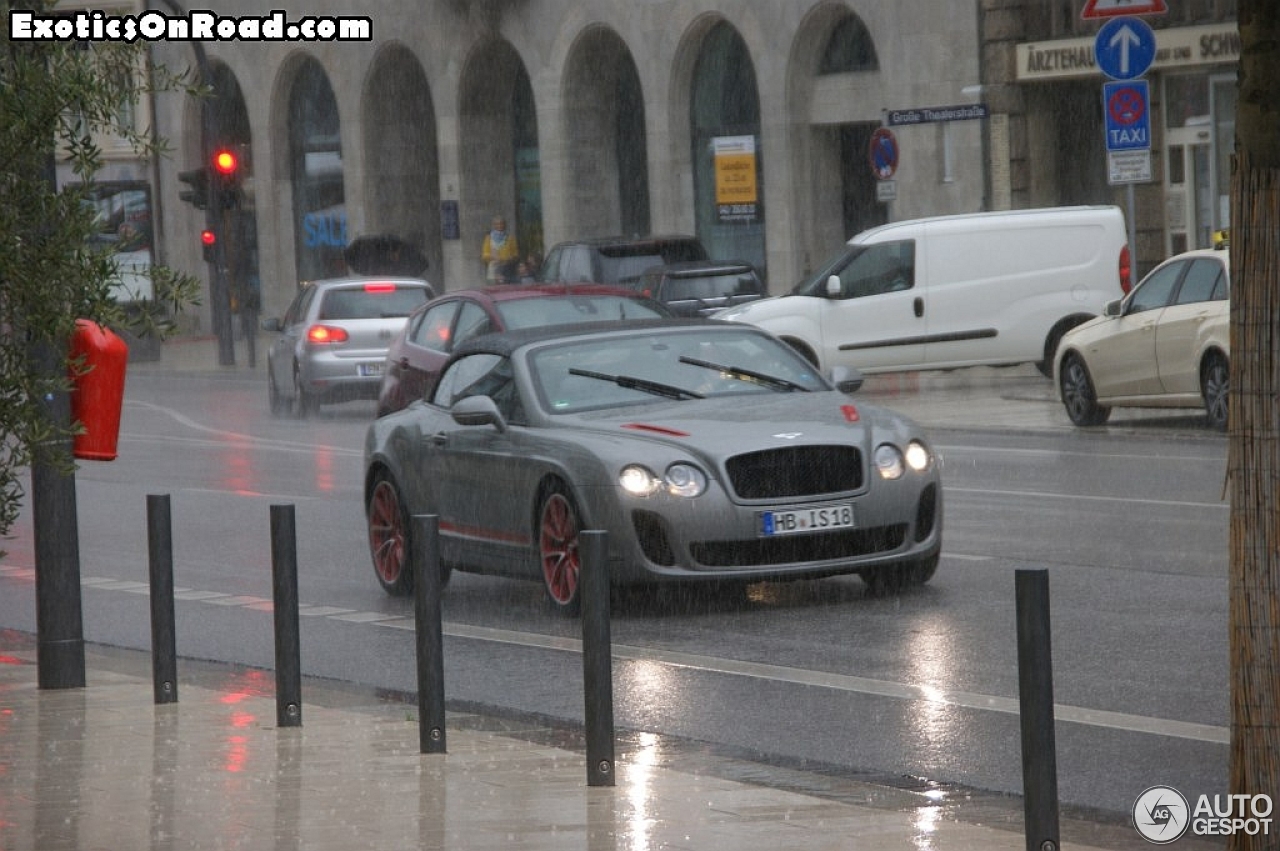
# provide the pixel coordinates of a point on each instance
(208, 237)
(225, 162)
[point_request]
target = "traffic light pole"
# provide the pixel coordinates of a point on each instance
(219, 291)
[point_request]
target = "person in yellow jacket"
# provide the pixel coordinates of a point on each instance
(499, 252)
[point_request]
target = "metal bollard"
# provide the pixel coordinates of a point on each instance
(164, 650)
(284, 589)
(597, 656)
(1035, 695)
(429, 631)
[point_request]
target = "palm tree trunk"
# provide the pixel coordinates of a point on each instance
(1253, 455)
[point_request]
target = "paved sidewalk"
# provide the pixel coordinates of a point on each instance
(103, 767)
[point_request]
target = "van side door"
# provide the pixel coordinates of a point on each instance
(875, 321)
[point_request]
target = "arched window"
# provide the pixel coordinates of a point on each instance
(849, 49)
(728, 177)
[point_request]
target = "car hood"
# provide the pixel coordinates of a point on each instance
(759, 308)
(735, 424)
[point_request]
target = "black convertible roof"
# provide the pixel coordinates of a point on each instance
(506, 342)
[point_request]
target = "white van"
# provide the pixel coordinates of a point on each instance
(952, 291)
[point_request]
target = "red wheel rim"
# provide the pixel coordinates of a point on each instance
(558, 544)
(386, 533)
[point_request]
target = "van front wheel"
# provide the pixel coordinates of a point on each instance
(1051, 343)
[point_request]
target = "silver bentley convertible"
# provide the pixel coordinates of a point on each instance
(704, 450)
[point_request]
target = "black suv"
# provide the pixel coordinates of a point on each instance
(616, 259)
(700, 287)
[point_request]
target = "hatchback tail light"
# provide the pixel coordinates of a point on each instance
(1126, 270)
(326, 334)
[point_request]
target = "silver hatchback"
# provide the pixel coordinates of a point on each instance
(331, 343)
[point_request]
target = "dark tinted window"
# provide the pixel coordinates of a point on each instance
(1202, 280)
(706, 287)
(1155, 289)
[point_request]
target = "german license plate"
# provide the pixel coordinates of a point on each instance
(802, 520)
(367, 369)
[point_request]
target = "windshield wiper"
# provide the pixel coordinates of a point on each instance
(773, 381)
(644, 385)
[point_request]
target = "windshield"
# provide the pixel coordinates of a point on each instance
(534, 312)
(695, 363)
(816, 283)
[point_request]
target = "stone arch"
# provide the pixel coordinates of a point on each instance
(606, 138)
(498, 149)
(401, 155)
(835, 191)
(716, 87)
(307, 161)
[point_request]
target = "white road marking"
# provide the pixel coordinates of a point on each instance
(713, 664)
(1221, 506)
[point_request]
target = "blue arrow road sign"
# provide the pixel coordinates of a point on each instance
(1125, 48)
(1126, 104)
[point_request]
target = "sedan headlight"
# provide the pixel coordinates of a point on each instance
(919, 458)
(639, 481)
(680, 479)
(889, 461)
(685, 480)
(892, 462)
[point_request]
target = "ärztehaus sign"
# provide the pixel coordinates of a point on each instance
(1175, 48)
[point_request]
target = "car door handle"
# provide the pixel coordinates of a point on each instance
(918, 305)
(440, 438)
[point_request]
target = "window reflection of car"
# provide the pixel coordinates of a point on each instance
(331, 343)
(700, 287)
(416, 355)
(1165, 345)
(706, 451)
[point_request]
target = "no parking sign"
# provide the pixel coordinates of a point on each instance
(883, 153)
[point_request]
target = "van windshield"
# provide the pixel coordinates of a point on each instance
(816, 284)
(865, 270)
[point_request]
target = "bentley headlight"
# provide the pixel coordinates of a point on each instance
(685, 480)
(918, 457)
(639, 481)
(889, 461)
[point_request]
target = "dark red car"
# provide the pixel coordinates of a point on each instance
(433, 330)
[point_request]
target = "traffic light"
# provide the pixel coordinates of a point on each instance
(226, 168)
(198, 194)
(208, 239)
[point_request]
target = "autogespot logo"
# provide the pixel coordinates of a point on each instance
(1161, 815)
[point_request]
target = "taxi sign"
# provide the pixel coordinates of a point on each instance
(1126, 104)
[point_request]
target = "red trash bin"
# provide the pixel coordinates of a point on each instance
(97, 392)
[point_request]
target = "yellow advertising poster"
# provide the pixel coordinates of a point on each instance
(735, 165)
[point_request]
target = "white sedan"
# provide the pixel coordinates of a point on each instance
(1165, 345)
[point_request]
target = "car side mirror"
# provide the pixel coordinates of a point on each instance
(846, 379)
(834, 286)
(476, 411)
(272, 324)
(1112, 308)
